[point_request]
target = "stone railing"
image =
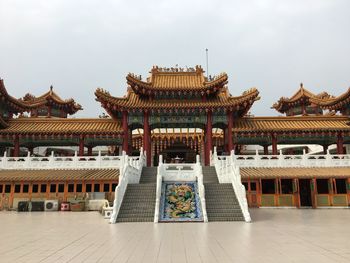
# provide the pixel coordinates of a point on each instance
(130, 173)
(180, 172)
(65, 162)
(280, 160)
(228, 172)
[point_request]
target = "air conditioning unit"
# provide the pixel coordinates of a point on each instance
(51, 205)
(23, 206)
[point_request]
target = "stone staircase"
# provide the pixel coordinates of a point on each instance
(221, 201)
(139, 200)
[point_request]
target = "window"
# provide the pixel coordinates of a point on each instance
(25, 188)
(88, 188)
(52, 188)
(245, 185)
(252, 186)
(7, 188)
(322, 186)
(70, 188)
(114, 186)
(61, 188)
(286, 186)
(79, 188)
(1, 188)
(268, 186)
(17, 188)
(43, 188)
(96, 187)
(35, 188)
(105, 187)
(340, 184)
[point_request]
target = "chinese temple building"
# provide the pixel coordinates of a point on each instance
(180, 113)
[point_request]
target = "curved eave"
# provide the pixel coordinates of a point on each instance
(3, 123)
(133, 102)
(11, 101)
(336, 103)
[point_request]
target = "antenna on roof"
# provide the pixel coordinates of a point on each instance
(206, 53)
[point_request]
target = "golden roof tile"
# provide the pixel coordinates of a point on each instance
(291, 123)
(295, 172)
(58, 175)
(62, 126)
(334, 103)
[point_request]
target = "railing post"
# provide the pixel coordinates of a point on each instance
(27, 161)
(99, 159)
(4, 161)
(280, 159)
(256, 157)
(328, 158)
(51, 159)
(160, 159)
(75, 159)
(197, 159)
(304, 158)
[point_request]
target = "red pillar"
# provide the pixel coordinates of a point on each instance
(81, 146)
(125, 132)
(340, 144)
(229, 131)
(274, 144)
(266, 149)
(208, 138)
(16, 146)
(147, 137)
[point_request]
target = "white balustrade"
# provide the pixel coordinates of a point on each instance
(180, 172)
(281, 160)
(130, 173)
(64, 162)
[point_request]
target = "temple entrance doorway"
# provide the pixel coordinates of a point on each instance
(179, 153)
(305, 193)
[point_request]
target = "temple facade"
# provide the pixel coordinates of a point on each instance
(177, 113)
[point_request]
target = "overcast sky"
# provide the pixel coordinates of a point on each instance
(77, 46)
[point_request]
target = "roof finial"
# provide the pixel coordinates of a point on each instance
(301, 85)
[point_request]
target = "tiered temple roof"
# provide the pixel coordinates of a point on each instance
(306, 100)
(178, 90)
(37, 106)
(50, 98)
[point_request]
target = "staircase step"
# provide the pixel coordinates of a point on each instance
(221, 202)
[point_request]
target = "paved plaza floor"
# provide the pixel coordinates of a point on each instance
(276, 235)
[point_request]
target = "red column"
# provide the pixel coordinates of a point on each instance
(81, 146)
(208, 138)
(147, 137)
(16, 146)
(229, 131)
(274, 144)
(125, 132)
(340, 144)
(266, 149)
